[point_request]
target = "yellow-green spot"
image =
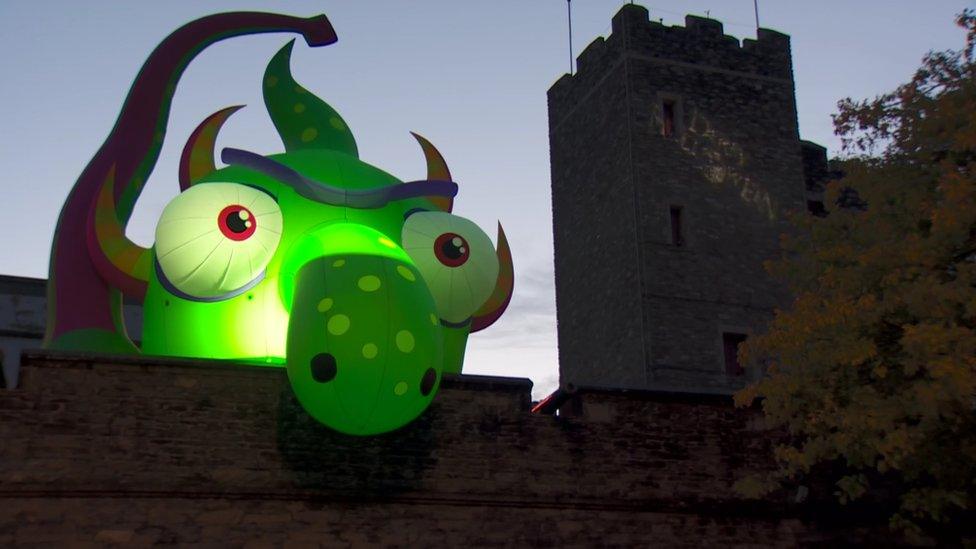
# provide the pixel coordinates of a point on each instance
(387, 242)
(338, 263)
(337, 124)
(369, 283)
(299, 107)
(404, 341)
(309, 134)
(299, 89)
(325, 304)
(338, 325)
(406, 273)
(400, 388)
(370, 350)
(271, 81)
(433, 319)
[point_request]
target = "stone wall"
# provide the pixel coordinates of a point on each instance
(593, 232)
(23, 315)
(732, 165)
(815, 168)
(97, 450)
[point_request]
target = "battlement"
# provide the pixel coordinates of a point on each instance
(701, 42)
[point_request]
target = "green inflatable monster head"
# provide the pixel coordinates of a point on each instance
(363, 286)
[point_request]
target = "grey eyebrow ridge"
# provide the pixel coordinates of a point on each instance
(330, 194)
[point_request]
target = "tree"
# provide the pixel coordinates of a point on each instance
(871, 370)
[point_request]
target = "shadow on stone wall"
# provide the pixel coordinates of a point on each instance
(322, 459)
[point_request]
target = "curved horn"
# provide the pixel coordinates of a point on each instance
(303, 120)
(123, 264)
(504, 286)
(197, 159)
(436, 170)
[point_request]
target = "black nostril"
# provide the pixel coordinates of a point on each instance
(323, 367)
(427, 383)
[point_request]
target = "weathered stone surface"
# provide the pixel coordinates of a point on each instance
(634, 309)
(141, 450)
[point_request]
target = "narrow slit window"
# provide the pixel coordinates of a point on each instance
(677, 228)
(730, 344)
(667, 118)
(816, 207)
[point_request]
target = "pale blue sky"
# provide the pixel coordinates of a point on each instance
(470, 76)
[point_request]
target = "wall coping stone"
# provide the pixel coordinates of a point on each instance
(82, 359)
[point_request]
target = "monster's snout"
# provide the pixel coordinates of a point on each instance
(364, 344)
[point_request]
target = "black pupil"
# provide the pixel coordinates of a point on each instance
(235, 223)
(452, 251)
(427, 382)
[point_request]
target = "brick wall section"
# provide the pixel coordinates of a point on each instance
(137, 451)
(734, 167)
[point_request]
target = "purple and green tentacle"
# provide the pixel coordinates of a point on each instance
(92, 262)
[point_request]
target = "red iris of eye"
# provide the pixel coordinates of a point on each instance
(452, 249)
(237, 222)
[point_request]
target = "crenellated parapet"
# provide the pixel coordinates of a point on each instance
(701, 42)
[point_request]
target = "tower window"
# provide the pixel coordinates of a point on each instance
(677, 228)
(816, 207)
(667, 118)
(730, 344)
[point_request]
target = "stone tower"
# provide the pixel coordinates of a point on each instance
(675, 158)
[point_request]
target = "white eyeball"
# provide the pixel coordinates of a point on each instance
(456, 259)
(217, 238)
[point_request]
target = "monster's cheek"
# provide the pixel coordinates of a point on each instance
(364, 343)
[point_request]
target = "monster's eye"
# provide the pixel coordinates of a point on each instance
(456, 259)
(215, 239)
(237, 222)
(452, 249)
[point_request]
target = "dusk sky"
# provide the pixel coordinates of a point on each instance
(470, 76)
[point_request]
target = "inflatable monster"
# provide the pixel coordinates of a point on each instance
(364, 287)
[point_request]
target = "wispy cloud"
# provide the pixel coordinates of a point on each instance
(523, 341)
(530, 320)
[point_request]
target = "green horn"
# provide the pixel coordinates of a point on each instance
(303, 120)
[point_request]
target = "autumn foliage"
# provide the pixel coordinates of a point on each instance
(872, 368)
